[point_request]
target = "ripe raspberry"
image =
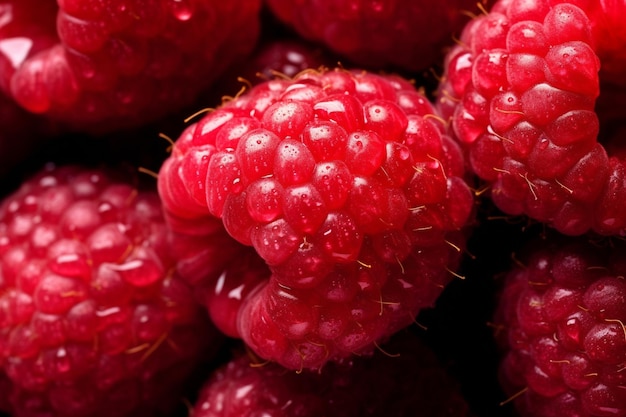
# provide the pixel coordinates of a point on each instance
(100, 65)
(521, 89)
(345, 185)
(93, 322)
(409, 383)
(562, 316)
(402, 34)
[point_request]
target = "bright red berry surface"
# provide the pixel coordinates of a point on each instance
(520, 90)
(100, 65)
(404, 380)
(93, 322)
(346, 186)
(561, 318)
(405, 34)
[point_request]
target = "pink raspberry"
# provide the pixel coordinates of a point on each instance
(410, 382)
(93, 320)
(346, 186)
(561, 314)
(520, 90)
(103, 65)
(410, 35)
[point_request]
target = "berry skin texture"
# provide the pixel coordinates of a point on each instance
(405, 380)
(409, 35)
(99, 66)
(520, 90)
(93, 322)
(347, 187)
(562, 316)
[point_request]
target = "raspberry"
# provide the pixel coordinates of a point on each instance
(346, 187)
(406, 34)
(409, 383)
(520, 90)
(93, 322)
(99, 66)
(562, 316)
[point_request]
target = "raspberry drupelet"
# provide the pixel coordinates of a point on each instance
(93, 320)
(346, 185)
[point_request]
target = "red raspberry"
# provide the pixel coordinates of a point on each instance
(100, 65)
(521, 89)
(404, 34)
(411, 382)
(345, 185)
(562, 314)
(93, 322)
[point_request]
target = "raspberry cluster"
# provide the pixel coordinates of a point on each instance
(332, 168)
